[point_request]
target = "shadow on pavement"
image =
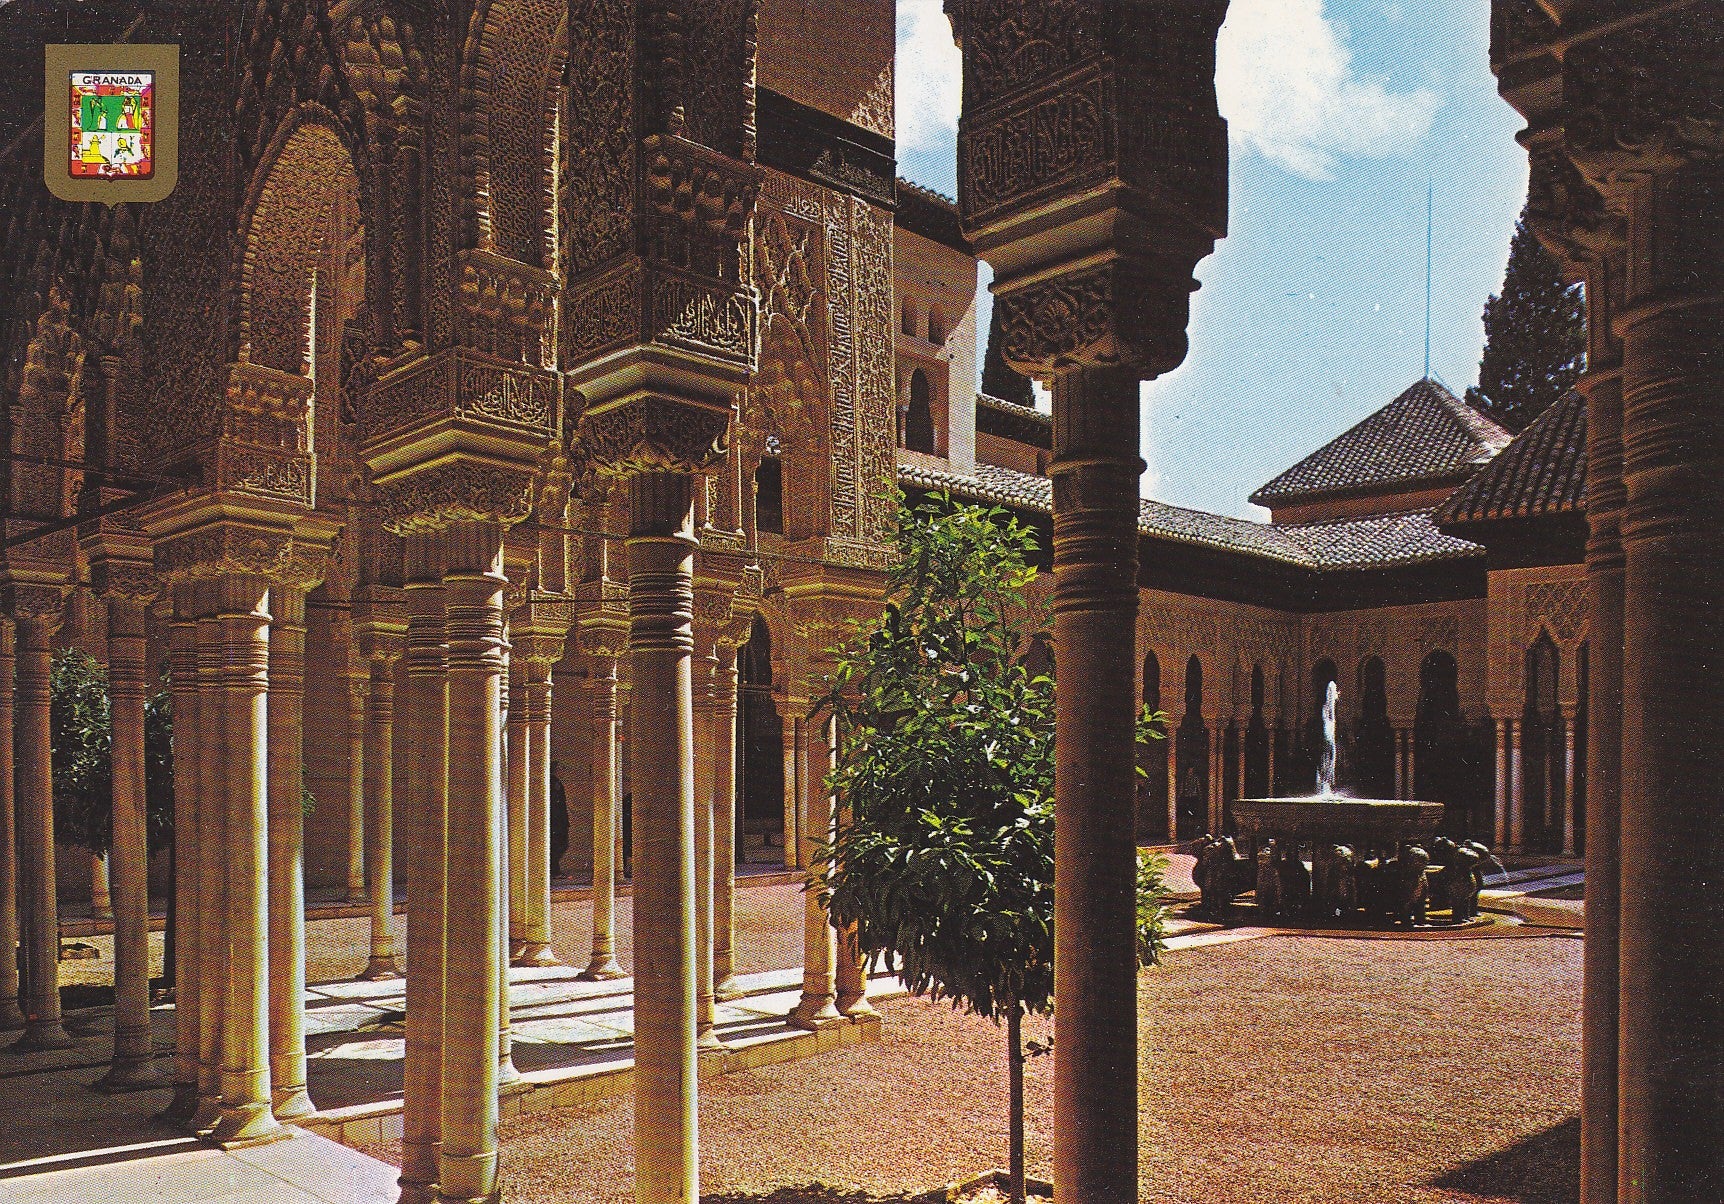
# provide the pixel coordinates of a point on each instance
(1542, 1169)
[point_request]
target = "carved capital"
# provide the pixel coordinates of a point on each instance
(124, 580)
(475, 391)
(427, 499)
(1129, 313)
(637, 302)
(1646, 95)
(222, 548)
(650, 435)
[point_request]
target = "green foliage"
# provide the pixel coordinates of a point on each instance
(1000, 379)
(946, 861)
(1535, 336)
(1152, 907)
(159, 768)
(307, 800)
(946, 764)
(81, 734)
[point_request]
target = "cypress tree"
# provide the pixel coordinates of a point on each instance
(1535, 336)
(1000, 379)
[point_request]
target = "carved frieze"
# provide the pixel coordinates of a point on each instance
(461, 384)
(212, 550)
(1654, 87)
(429, 498)
(265, 472)
(506, 308)
(635, 302)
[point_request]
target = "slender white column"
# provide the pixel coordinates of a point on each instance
(427, 718)
(183, 682)
(473, 585)
(724, 823)
(379, 760)
(1173, 783)
(11, 1015)
(1567, 783)
(211, 735)
(817, 1006)
(536, 728)
(1502, 793)
(1517, 789)
(793, 818)
(40, 915)
(101, 889)
(133, 1067)
(242, 630)
(289, 1091)
(704, 776)
(358, 683)
(514, 753)
(602, 681)
(518, 757)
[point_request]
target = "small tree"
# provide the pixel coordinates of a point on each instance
(946, 764)
(1535, 336)
(81, 735)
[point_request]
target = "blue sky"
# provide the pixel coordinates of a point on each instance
(1312, 311)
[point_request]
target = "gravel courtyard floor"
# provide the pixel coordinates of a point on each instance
(1282, 1069)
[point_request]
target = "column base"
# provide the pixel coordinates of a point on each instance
(708, 1042)
(205, 1115)
(855, 1008)
(11, 1015)
(379, 969)
(603, 968)
(413, 1192)
(242, 1126)
(536, 953)
(475, 1169)
(516, 950)
(510, 1080)
(132, 1074)
(42, 1035)
(292, 1103)
(726, 989)
(814, 1013)
(181, 1108)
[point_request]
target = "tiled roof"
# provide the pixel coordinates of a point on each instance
(1542, 472)
(1009, 420)
(1427, 435)
(930, 214)
(1376, 542)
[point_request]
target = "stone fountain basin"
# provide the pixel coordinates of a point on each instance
(1359, 822)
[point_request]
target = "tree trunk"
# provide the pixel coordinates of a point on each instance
(1015, 1062)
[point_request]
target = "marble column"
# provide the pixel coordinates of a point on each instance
(1172, 783)
(1217, 775)
(188, 811)
(1412, 738)
(242, 648)
(358, 682)
(216, 954)
(473, 584)
(508, 1075)
(133, 1066)
(518, 757)
(101, 889)
(818, 1005)
(794, 820)
(1600, 984)
(1095, 471)
(724, 823)
(661, 548)
(1568, 781)
(1672, 328)
(1274, 739)
(34, 792)
(702, 666)
(11, 1015)
(379, 762)
(536, 728)
(1516, 788)
(286, 706)
(602, 681)
(1502, 784)
(426, 716)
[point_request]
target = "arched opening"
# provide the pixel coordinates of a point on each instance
(936, 327)
(1542, 748)
(1152, 758)
(1257, 736)
(1322, 673)
(919, 421)
(1448, 765)
(907, 322)
(769, 496)
(1192, 753)
(759, 752)
(1373, 736)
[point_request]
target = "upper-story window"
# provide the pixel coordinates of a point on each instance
(936, 327)
(919, 421)
(769, 496)
(908, 323)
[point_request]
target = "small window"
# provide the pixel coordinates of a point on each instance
(769, 496)
(919, 422)
(936, 327)
(908, 325)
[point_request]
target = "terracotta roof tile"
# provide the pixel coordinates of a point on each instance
(1427, 435)
(1377, 542)
(1542, 472)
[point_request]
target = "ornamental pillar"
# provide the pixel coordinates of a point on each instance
(36, 612)
(382, 643)
(426, 718)
(602, 682)
(539, 643)
(517, 756)
(818, 1005)
(211, 711)
(1173, 785)
(240, 650)
(473, 584)
(11, 1016)
(704, 663)
(188, 820)
(794, 772)
(724, 822)
(508, 1075)
(101, 888)
(1093, 232)
(1501, 759)
(1516, 787)
(358, 681)
(1568, 715)
(127, 594)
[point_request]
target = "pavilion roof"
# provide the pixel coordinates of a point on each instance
(1543, 472)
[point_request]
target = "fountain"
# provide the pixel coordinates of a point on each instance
(1327, 856)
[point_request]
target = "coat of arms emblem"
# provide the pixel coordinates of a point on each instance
(113, 125)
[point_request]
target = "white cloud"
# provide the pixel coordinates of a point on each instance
(929, 77)
(1285, 80)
